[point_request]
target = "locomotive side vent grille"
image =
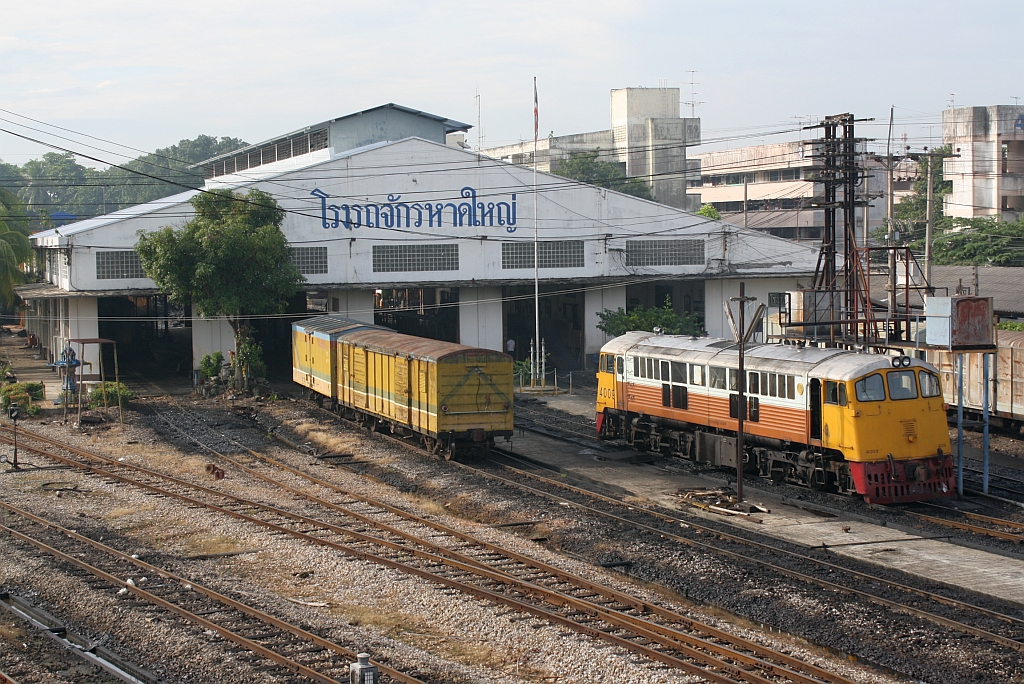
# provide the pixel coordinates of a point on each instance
(909, 428)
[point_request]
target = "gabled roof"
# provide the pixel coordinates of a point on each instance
(450, 126)
(115, 216)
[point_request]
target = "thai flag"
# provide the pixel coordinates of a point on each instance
(536, 116)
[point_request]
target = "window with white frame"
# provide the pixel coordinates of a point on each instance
(118, 264)
(552, 254)
(310, 260)
(664, 252)
(409, 258)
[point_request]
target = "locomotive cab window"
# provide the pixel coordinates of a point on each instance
(930, 384)
(621, 364)
(871, 388)
(716, 377)
(835, 393)
(636, 366)
(902, 385)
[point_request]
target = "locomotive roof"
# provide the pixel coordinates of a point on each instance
(834, 364)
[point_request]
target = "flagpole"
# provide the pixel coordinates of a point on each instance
(536, 250)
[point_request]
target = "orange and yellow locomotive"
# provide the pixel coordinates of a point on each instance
(830, 419)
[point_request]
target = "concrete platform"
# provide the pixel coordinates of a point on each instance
(608, 469)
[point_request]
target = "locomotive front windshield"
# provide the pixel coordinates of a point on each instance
(903, 384)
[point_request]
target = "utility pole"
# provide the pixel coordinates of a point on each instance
(929, 231)
(891, 233)
(744, 201)
(741, 386)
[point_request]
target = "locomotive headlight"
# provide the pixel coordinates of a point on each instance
(905, 361)
(896, 362)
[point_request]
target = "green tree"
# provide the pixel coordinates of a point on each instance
(585, 167)
(620, 322)
(709, 211)
(123, 188)
(230, 260)
(980, 242)
(15, 249)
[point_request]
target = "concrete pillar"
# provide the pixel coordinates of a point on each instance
(594, 302)
(83, 323)
(355, 304)
(210, 335)
(480, 322)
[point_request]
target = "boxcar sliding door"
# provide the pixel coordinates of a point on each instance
(403, 395)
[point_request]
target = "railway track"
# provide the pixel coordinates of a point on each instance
(370, 530)
(1010, 629)
(107, 569)
(1010, 485)
(989, 625)
(1000, 528)
(528, 414)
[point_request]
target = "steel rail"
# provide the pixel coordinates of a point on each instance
(976, 529)
(982, 518)
(156, 600)
(750, 542)
(530, 563)
(888, 603)
(722, 671)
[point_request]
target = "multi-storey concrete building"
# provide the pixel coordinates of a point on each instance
(777, 183)
(988, 176)
(648, 138)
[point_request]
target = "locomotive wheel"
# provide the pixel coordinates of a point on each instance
(450, 451)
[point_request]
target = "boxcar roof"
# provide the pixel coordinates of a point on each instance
(1010, 338)
(391, 342)
(328, 323)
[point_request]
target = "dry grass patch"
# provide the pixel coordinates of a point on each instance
(11, 632)
(391, 622)
(214, 543)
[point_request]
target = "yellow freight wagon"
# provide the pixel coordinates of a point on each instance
(448, 394)
(313, 357)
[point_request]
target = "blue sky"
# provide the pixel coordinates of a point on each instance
(147, 74)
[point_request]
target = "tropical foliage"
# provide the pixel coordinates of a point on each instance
(15, 248)
(709, 211)
(587, 168)
(230, 260)
(619, 322)
(57, 182)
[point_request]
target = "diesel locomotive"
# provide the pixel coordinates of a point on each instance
(449, 395)
(830, 419)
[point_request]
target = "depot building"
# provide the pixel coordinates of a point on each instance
(392, 221)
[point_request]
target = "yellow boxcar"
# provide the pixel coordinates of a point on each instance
(313, 358)
(447, 393)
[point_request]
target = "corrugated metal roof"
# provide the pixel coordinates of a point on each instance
(115, 216)
(1010, 338)
(391, 342)
(450, 126)
(330, 323)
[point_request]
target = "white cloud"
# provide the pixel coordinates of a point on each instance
(104, 84)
